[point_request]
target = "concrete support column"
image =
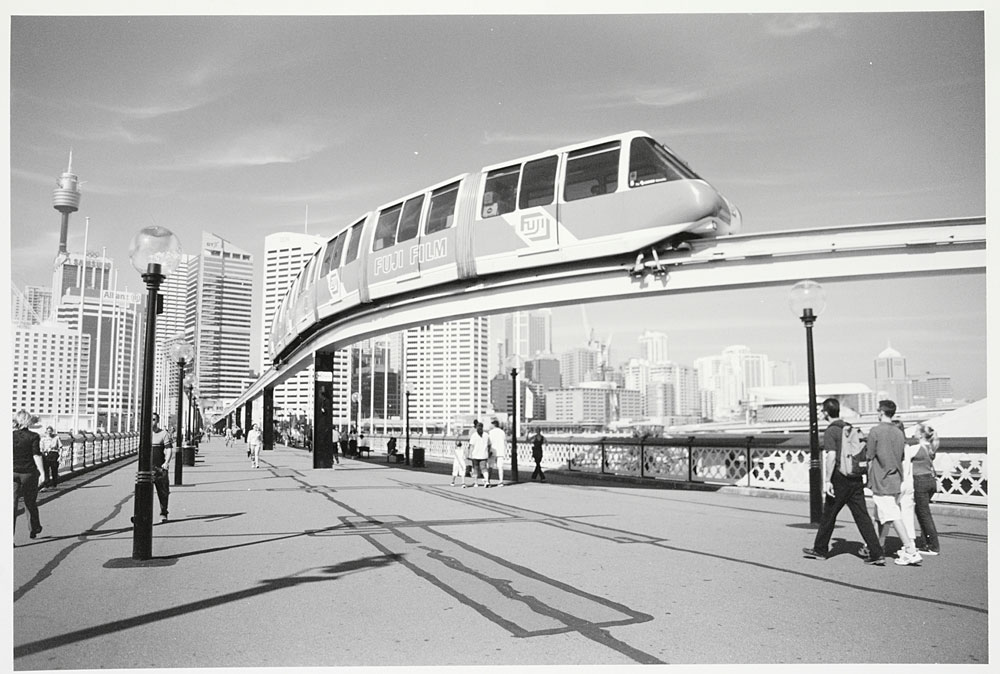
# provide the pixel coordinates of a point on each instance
(248, 418)
(322, 441)
(267, 425)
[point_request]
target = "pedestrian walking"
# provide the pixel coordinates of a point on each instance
(51, 448)
(162, 449)
(229, 436)
(925, 486)
(537, 442)
(886, 445)
(842, 490)
(27, 454)
(255, 439)
(458, 464)
(498, 450)
(352, 441)
(479, 452)
(335, 439)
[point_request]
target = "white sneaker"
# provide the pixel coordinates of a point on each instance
(908, 558)
(929, 552)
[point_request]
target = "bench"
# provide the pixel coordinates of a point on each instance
(364, 450)
(398, 456)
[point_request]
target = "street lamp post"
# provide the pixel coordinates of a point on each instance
(154, 253)
(182, 352)
(807, 301)
(407, 452)
(513, 426)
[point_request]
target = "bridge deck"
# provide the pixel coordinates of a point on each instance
(371, 564)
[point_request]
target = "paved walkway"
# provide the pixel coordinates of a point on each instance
(371, 564)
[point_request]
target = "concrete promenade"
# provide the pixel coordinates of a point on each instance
(371, 564)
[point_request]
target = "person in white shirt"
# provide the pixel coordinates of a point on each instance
(254, 441)
(498, 450)
(479, 452)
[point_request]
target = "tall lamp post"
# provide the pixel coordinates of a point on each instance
(807, 300)
(182, 352)
(513, 426)
(154, 253)
(407, 452)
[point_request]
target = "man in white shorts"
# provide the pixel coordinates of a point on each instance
(885, 476)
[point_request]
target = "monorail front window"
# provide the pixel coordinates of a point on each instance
(592, 171)
(538, 182)
(442, 210)
(500, 194)
(651, 163)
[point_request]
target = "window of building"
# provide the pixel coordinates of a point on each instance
(592, 171)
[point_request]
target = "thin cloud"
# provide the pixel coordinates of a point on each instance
(793, 25)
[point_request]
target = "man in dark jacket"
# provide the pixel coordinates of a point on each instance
(845, 490)
(537, 441)
(27, 468)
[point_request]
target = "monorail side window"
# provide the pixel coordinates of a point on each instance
(442, 211)
(592, 171)
(538, 182)
(500, 194)
(385, 230)
(651, 163)
(355, 244)
(409, 223)
(331, 258)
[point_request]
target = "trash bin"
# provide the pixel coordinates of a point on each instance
(417, 457)
(187, 453)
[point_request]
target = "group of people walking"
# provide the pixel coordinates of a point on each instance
(902, 481)
(486, 451)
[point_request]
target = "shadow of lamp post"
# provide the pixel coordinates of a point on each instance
(182, 352)
(807, 300)
(154, 253)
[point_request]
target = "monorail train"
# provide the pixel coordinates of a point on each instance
(619, 194)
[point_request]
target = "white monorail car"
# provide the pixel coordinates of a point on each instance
(606, 197)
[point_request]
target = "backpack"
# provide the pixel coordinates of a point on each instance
(853, 461)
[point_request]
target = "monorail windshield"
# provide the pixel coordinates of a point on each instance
(650, 162)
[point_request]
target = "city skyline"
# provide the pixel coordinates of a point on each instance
(168, 126)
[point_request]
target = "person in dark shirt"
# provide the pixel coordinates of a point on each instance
(537, 441)
(28, 466)
(162, 449)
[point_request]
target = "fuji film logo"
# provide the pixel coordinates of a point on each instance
(535, 227)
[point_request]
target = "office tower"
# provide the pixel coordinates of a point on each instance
(527, 334)
(31, 307)
(579, 365)
(579, 405)
(891, 381)
(932, 390)
(285, 255)
(544, 371)
(113, 320)
(46, 381)
(175, 324)
(783, 373)
(729, 377)
(682, 381)
(446, 370)
(223, 297)
(654, 347)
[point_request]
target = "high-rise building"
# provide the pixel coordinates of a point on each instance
(446, 371)
(891, 381)
(285, 254)
(223, 299)
(729, 377)
(932, 390)
(114, 322)
(654, 347)
(175, 324)
(544, 371)
(46, 380)
(685, 401)
(527, 334)
(783, 373)
(37, 306)
(579, 365)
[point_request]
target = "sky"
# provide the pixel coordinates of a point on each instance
(248, 125)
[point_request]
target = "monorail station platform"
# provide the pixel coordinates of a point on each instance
(376, 564)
